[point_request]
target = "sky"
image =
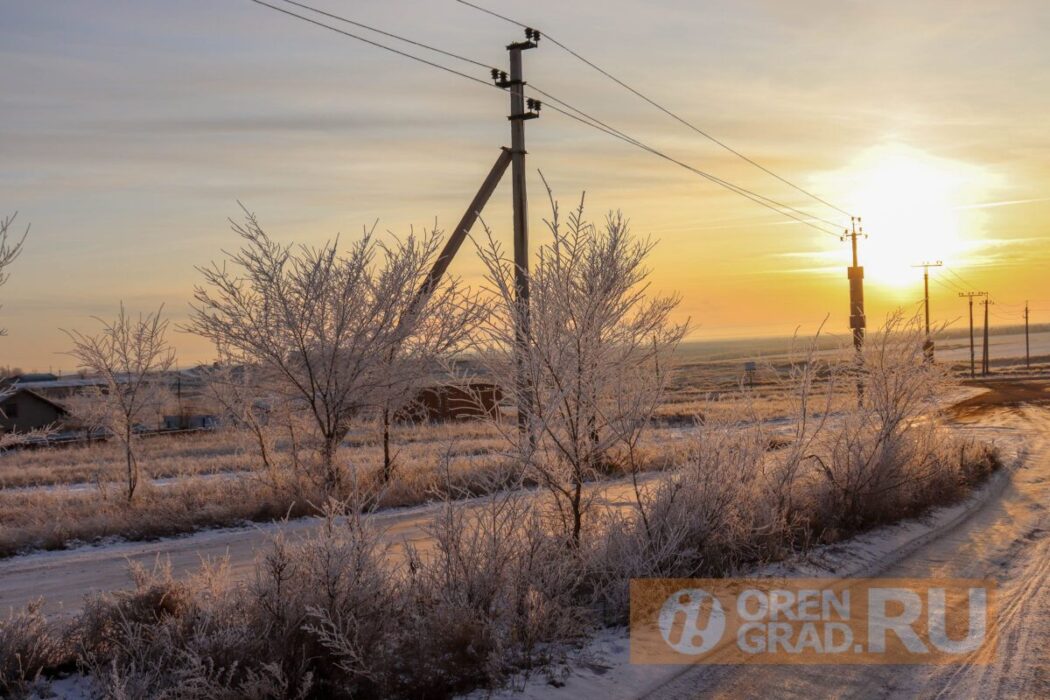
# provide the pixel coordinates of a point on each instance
(131, 129)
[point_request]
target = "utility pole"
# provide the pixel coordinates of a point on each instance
(516, 82)
(927, 347)
(857, 320)
(515, 158)
(970, 296)
(985, 367)
(1027, 353)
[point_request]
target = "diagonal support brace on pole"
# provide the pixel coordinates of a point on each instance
(459, 234)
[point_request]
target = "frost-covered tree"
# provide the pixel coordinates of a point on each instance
(9, 250)
(244, 405)
(130, 356)
(338, 333)
(594, 363)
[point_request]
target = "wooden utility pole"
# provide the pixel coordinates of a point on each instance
(927, 347)
(970, 296)
(521, 109)
(518, 115)
(857, 320)
(985, 367)
(1027, 353)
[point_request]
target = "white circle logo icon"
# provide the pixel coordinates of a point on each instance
(692, 621)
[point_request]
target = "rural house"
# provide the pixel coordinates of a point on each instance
(450, 402)
(25, 410)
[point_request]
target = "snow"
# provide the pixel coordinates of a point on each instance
(74, 687)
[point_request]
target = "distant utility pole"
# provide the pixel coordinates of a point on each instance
(518, 115)
(970, 296)
(1027, 354)
(857, 320)
(927, 347)
(985, 367)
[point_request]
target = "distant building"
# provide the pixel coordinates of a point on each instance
(441, 403)
(25, 410)
(53, 387)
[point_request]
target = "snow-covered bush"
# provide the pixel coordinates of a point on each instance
(703, 519)
(887, 455)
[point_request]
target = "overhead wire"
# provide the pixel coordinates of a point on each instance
(375, 43)
(370, 28)
(947, 282)
(586, 118)
(960, 278)
(663, 109)
(945, 285)
(758, 199)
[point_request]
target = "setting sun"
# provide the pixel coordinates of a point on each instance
(911, 205)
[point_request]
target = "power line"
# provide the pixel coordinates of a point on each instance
(948, 283)
(613, 131)
(388, 34)
(758, 199)
(663, 109)
(376, 43)
(959, 277)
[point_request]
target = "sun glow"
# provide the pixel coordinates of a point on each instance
(910, 203)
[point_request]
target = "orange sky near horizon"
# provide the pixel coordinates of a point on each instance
(131, 129)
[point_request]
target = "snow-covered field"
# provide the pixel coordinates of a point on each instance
(1000, 347)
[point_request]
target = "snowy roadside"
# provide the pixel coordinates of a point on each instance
(602, 668)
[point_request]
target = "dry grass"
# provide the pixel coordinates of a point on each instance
(334, 617)
(194, 454)
(431, 462)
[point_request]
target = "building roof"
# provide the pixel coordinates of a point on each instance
(39, 397)
(34, 377)
(65, 383)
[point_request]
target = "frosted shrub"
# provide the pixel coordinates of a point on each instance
(29, 646)
(337, 615)
(319, 619)
(593, 365)
(704, 519)
(496, 594)
(893, 442)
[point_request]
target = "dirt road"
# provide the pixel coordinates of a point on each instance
(62, 578)
(1005, 393)
(1006, 540)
